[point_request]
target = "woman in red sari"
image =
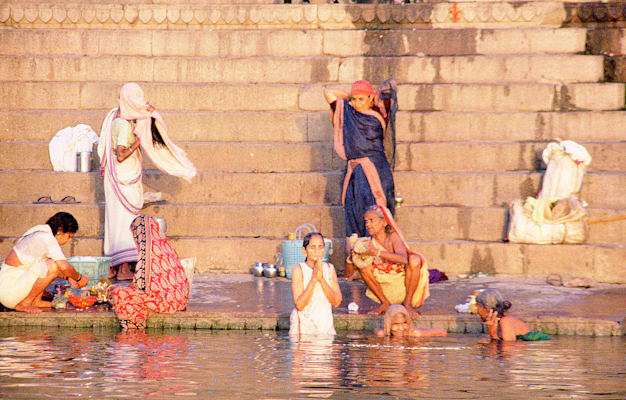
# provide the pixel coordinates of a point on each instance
(160, 283)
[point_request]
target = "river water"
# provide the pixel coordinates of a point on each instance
(42, 363)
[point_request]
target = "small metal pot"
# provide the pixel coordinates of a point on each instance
(270, 271)
(257, 269)
(83, 161)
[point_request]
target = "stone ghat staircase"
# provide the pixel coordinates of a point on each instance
(483, 87)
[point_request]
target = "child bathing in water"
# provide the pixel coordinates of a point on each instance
(315, 291)
(398, 323)
(491, 307)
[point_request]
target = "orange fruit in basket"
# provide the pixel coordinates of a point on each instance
(82, 302)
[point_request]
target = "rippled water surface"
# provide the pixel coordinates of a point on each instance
(64, 363)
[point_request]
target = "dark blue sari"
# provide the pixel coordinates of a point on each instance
(363, 137)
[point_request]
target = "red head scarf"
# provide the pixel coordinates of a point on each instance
(362, 87)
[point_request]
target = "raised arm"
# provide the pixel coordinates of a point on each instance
(331, 95)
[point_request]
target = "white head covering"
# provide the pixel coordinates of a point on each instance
(170, 158)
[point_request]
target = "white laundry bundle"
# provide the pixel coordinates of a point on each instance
(556, 215)
(69, 141)
(567, 163)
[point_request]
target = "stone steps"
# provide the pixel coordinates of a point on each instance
(303, 70)
(611, 43)
(319, 156)
(302, 126)
(483, 87)
(216, 221)
(598, 262)
(237, 97)
(292, 43)
(455, 189)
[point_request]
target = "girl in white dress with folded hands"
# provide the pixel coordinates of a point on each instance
(315, 291)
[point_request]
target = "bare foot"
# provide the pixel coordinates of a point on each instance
(42, 303)
(380, 310)
(28, 309)
(352, 277)
(124, 273)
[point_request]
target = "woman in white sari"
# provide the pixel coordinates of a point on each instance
(126, 128)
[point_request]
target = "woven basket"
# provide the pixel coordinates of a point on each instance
(292, 249)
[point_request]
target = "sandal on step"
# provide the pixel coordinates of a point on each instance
(68, 200)
(44, 200)
(152, 203)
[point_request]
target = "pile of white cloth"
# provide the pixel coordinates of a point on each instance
(69, 141)
(556, 215)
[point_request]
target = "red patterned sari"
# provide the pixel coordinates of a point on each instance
(160, 283)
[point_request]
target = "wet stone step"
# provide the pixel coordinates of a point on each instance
(602, 263)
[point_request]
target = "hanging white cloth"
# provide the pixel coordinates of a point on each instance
(567, 163)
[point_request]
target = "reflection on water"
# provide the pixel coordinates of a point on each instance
(55, 363)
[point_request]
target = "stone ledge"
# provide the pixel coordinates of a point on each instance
(272, 321)
(142, 16)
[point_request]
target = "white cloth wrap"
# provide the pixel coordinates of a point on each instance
(317, 317)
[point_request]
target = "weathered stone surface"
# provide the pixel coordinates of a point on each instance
(606, 40)
(197, 97)
(45, 96)
(313, 188)
(210, 221)
(264, 126)
(422, 157)
(296, 43)
(580, 126)
(530, 41)
(591, 96)
(471, 69)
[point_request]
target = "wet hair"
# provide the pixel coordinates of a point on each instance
(63, 221)
(391, 312)
(309, 236)
(307, 240)
(156, 135)
(493, 300)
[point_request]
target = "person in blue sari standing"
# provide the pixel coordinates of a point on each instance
(364, 125)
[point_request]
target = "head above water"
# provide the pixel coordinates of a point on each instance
(63, 222)
(397, 320)
(492, 299)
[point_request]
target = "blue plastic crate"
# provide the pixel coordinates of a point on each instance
(92, 267)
